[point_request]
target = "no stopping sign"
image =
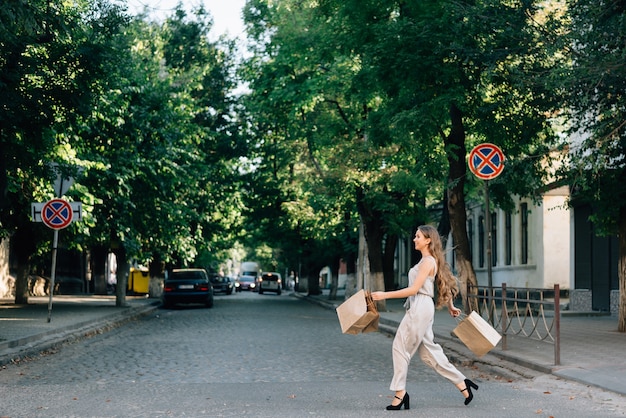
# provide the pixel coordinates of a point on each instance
(56, 214)
(486, 161)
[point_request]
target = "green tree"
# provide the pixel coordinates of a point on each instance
(157, 146)
(307, 91)
(50, 61)
(461, 73)
(596, 43)
(385, 97)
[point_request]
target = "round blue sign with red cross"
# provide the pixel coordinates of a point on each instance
(56, 213)
(486, 161)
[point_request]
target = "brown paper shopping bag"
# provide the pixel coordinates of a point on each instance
(358, 314)
(477, 334)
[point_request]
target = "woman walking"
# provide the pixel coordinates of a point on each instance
(415, 332)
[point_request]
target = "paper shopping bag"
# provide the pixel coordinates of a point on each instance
(477, 334)
(358, 314)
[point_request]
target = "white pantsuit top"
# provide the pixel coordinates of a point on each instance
(415, 333)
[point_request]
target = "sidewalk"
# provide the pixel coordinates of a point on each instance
(25, 330)
(592, 351)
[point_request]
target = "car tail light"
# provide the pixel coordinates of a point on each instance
(168, 288)
(203, 287)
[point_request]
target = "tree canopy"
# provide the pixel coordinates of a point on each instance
(357, 114)
(595, 109)
(381, 99)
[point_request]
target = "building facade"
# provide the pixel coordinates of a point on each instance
(538, 245)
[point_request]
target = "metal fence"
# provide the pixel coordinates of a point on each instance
(525, 312)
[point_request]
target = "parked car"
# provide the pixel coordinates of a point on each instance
(246, 283)
(270, 282)
(187, 286)
(222, 284)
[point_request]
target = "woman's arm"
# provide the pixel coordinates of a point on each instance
(454, 311)
(422, 274)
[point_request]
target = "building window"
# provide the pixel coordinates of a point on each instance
(508, 239)
(524, 233)
(481, 241)
(494, 239)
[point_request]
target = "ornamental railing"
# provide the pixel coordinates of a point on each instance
(524, 312)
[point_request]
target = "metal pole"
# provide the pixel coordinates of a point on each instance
(55, 241)
(557, 325)
(489, 260)
(505, 317)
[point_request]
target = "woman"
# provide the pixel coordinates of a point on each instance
(415, 332)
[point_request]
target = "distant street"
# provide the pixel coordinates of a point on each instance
(262, 356)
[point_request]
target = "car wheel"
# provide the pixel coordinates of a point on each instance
(209, 303)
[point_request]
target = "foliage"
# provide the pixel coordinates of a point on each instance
(49, 62)
(158, 144)
(597, 107)
(358, 94)
(145, 109)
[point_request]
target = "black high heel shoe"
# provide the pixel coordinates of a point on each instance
(468, 387)
(404, 401)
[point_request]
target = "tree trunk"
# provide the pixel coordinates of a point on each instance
(351, 259)
(456, 152)
(98, 269)
(362, 269)
(23, 245)
(123, 271)
(389, 255)
(334, 278)
(621, 271)
(444, 226)
(21, 284)
(313, 280)
(372, 229)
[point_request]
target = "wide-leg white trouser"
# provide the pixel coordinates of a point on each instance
(415, 333)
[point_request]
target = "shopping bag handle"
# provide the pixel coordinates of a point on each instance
(461, 316)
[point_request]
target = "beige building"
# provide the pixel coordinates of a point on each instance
(531, 246)
(537, 246)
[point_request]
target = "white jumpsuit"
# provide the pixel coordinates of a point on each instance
(415, 333)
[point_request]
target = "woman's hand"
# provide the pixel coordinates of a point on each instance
(378, 296)
(454, 312)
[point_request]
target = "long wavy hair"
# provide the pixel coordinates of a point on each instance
(447, 287)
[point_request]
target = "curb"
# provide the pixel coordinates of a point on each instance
(494, 362)
(21, 349)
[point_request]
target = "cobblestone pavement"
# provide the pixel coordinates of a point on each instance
(263, 356)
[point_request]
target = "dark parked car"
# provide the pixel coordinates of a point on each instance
(246, 283)
(270, 282)
(187, 286)
(222, 284)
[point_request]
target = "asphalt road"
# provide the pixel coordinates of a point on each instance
(262, 356)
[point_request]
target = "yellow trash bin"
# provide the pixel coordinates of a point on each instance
(139, 281)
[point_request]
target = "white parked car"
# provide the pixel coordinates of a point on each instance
(270, 282)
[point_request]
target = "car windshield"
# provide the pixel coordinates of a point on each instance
(187, 275)
(217, 279)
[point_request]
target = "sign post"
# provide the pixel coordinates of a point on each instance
(56, 214)
(486, 161)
